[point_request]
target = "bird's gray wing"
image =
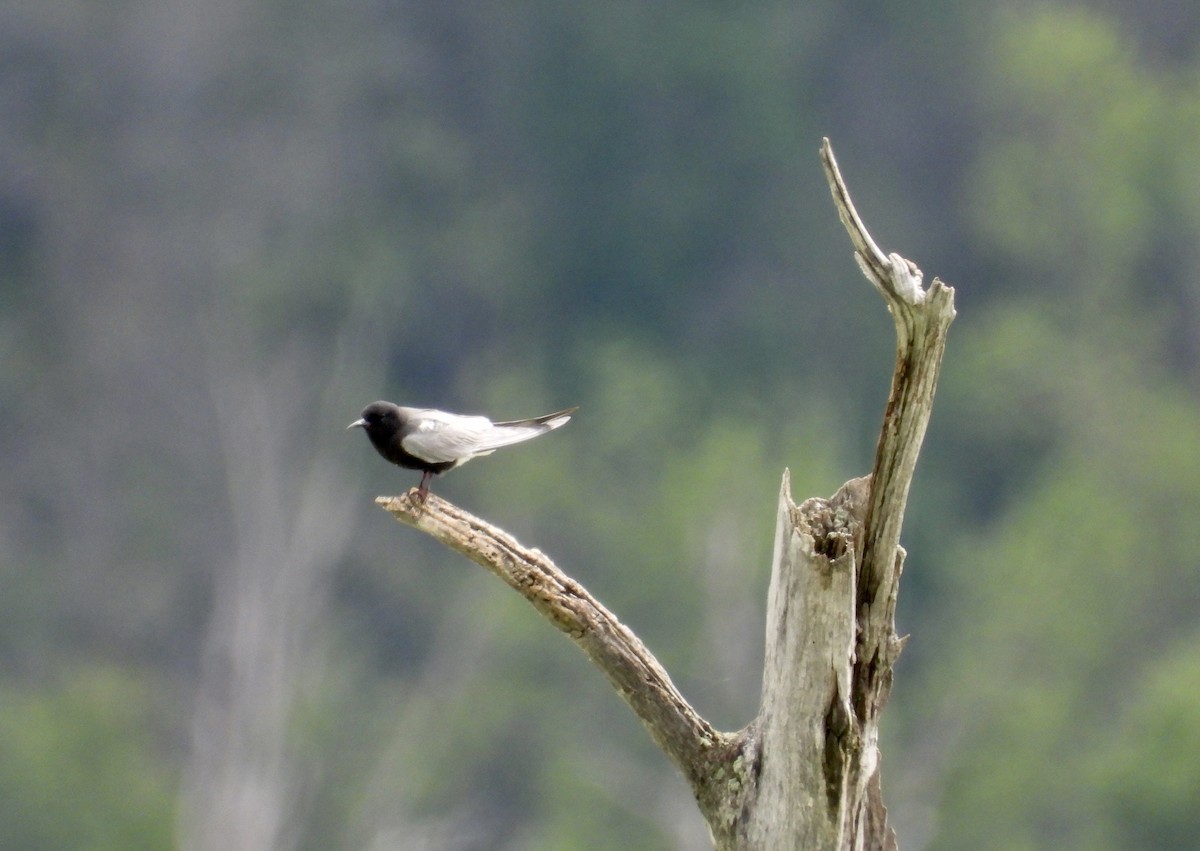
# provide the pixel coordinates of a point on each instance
(438, 437)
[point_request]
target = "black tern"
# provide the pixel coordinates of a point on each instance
(435, 441)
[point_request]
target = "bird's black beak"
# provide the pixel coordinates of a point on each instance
(357, 424)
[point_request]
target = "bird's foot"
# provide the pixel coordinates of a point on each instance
(423, 489)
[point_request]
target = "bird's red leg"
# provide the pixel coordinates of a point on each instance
(423, 488)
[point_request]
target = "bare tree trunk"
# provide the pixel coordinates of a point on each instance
(244, 784)
(805, 774)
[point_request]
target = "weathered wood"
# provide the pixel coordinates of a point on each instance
(803, 735)
(805, 774)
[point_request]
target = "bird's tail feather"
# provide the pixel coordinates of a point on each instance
(551, 421)
(516, 431)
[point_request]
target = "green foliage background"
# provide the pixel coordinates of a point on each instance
(226, 226)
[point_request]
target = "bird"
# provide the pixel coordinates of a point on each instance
(434, 441)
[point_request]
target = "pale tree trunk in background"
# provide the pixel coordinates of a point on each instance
(245, 784)
(805, 774)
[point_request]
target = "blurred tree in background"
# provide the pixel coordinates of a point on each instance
(224, 227)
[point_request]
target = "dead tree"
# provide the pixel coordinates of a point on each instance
(805, 773)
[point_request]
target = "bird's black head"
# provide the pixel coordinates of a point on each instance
(384, 424)
(378, 418)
